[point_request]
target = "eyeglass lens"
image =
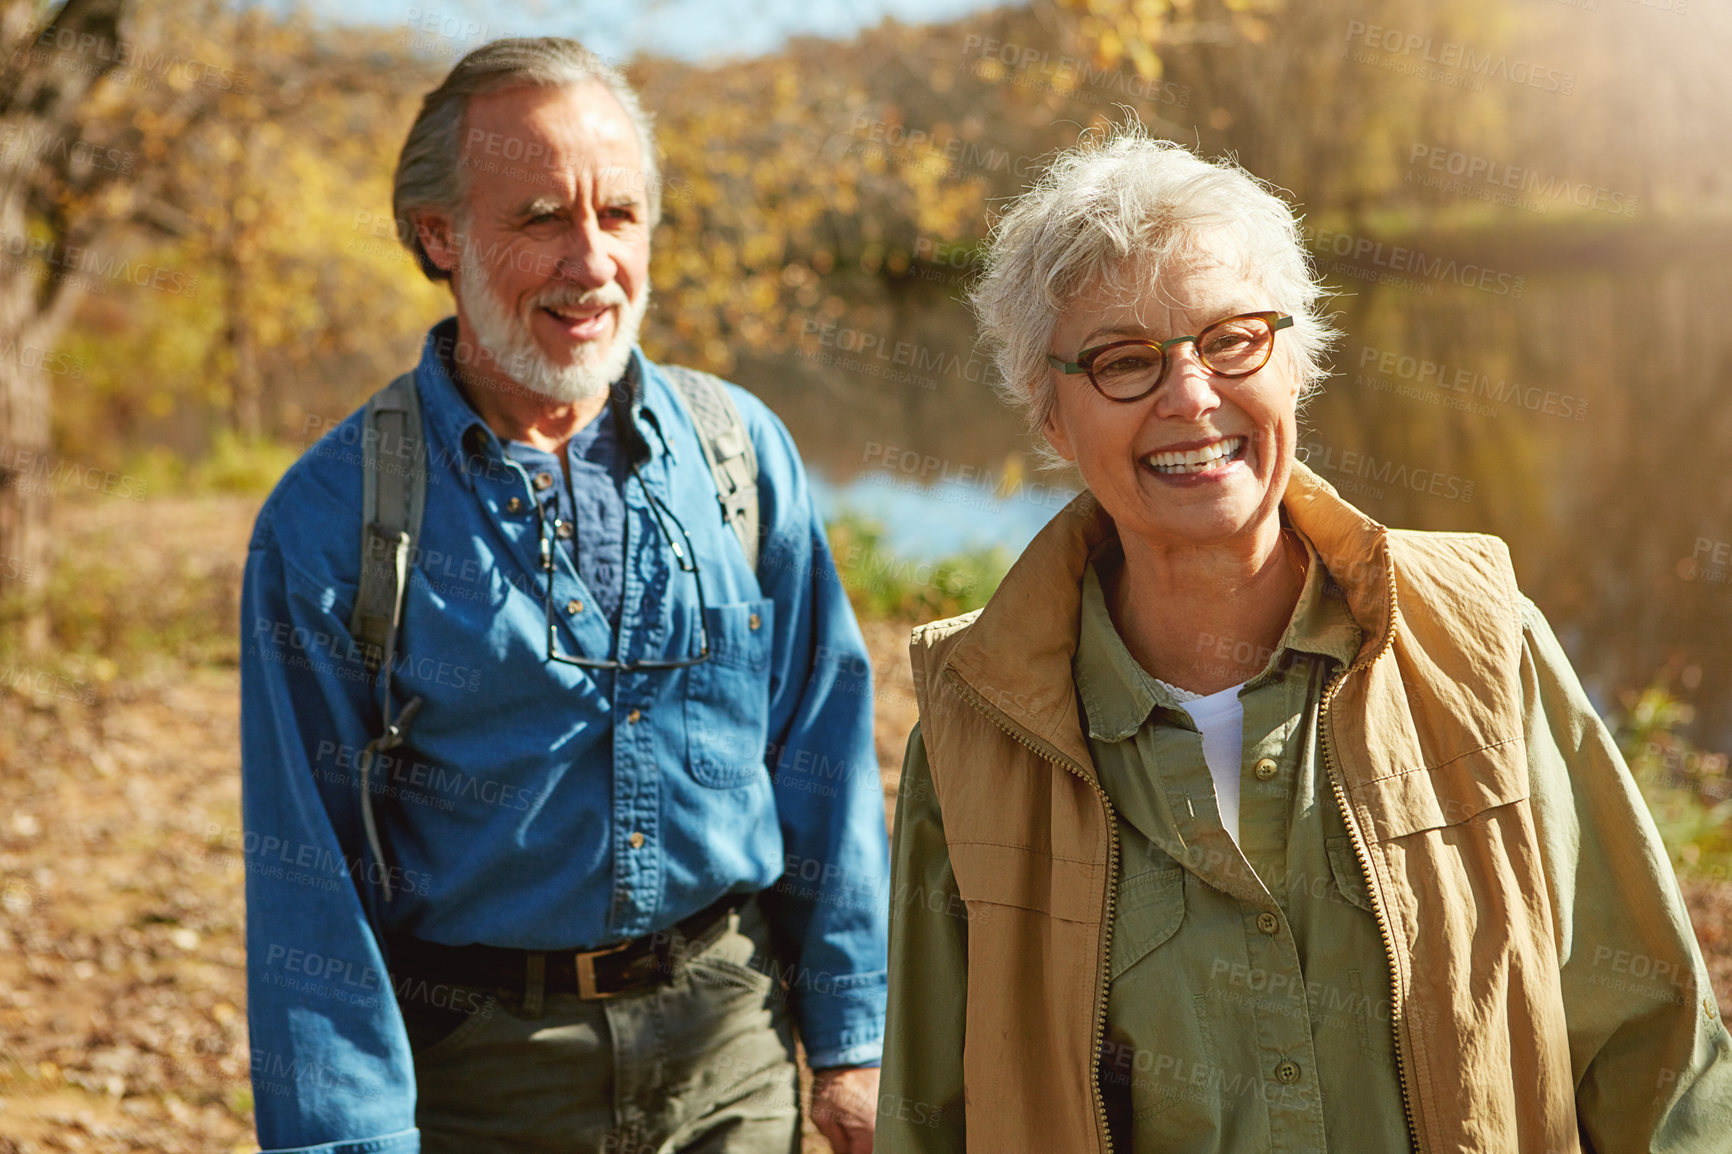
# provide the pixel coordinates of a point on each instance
(1234, 347)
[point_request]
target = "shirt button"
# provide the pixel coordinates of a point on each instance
(634, 717)
(1287, 1072)
(1708, 1007)
(574, 607)
(562, 530)
(1267, 923)
(543, 481)
(636, 840)
(515, 505)
(754, 621)
(1264, 769)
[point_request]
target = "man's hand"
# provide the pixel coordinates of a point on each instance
(845, 1107)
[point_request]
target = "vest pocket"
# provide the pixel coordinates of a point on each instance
(1449, 793)
(995, 874)
(727, 702)
(1151, 905)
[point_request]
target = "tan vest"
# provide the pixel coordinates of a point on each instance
(1423, 734)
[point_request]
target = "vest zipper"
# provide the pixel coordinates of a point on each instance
(993, 715)
(1364, 857)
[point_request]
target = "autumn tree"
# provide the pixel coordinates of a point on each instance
(49, 179)
(89, 114)
(288, 187)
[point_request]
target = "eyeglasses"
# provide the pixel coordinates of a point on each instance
(1130, 370)
(687, 560)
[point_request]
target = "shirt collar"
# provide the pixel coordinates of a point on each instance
(1322, 623)
(457, 426)
(1118, 694)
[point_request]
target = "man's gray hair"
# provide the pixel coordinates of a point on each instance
(430, 170)
(1120, 209)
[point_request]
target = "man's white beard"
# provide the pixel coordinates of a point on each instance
(506, 336)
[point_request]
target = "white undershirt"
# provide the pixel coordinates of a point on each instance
(1220, 718)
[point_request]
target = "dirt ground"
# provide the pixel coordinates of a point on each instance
(122, 979)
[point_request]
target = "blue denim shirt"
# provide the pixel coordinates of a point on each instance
(512, 814)
(593, 503)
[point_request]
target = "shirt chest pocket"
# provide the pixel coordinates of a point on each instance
(1151, 906)
(727, 702)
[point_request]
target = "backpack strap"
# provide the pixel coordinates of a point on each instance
(393, 496)
(727, 449)
(392, 500)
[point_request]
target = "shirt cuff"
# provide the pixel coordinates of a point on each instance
(842, 1023)
(402, 1142)
(866, 1054)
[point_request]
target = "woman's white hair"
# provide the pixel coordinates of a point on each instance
(1121, 209)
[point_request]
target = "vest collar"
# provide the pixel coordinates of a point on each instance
(1017, 654)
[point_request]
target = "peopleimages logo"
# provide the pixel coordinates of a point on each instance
(68, 261)
(1424, 49)
(944, 155)
(43, 473)
(41, 359)
(1378, 472)
(1041, 70)
(1415, 263)
(93, 51)
(867, 347)
(1486, 179)
(1428, 377)
(31, 149)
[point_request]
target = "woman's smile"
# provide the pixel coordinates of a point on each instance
(1205, 461)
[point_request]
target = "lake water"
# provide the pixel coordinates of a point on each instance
(1580, 408)
(930, 521)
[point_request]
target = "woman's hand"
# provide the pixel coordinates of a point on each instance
(845, 1107)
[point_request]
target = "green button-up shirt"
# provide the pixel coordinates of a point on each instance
(1249, 1001)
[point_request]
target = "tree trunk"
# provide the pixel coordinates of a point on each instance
(246, 397)
(45, 81)
(25, 468)
(246, 401)
(26, 471)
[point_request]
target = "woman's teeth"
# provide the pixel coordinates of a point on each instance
(1196, 460)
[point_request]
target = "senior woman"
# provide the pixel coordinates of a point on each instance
(1237, 821)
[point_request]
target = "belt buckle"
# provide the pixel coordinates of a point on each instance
(586, 973)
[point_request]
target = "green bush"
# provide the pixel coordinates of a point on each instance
(96, 609)
(885, 585)
(242, 467)
(1688, 790)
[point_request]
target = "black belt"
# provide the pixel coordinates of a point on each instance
(590, 974)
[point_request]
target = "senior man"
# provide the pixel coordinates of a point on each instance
(554, 846)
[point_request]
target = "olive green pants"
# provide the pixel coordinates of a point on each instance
(703, 1064)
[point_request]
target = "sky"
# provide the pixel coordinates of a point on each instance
(698, 30)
